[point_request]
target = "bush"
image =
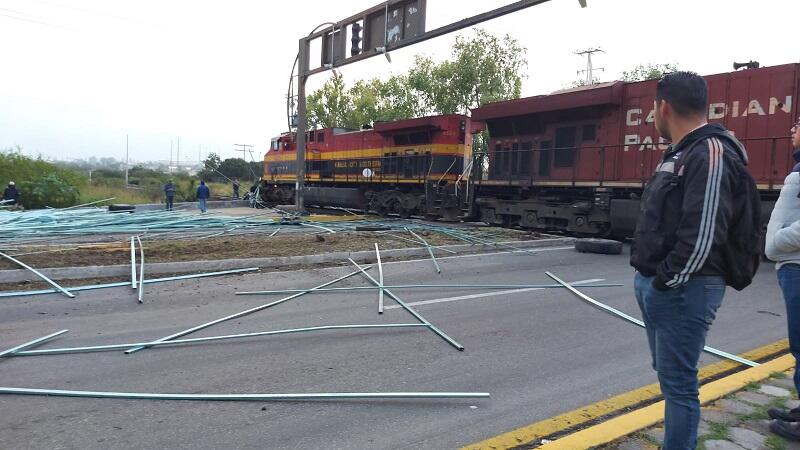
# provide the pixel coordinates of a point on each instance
(49, 190)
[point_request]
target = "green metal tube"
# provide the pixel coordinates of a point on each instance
(411, 311)
(240, 314)
(244, 397)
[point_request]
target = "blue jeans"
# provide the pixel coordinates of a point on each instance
(170, 199)
(201, 203)
(789, 280)
(677, 321)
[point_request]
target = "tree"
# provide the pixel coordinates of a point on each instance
(483, 69)
(648, 71)
(235, 168)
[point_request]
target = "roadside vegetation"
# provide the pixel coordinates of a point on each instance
(58, 185)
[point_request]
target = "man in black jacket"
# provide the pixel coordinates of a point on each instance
(678, 250)
(10, 194)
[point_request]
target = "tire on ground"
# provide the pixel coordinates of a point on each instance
(119, 208)
(601, 246)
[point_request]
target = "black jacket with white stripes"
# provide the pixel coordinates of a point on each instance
(687, 207)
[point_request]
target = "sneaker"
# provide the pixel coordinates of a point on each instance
(784, 415)
(786, 430)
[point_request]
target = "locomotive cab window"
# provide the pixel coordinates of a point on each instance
(321, 136)
(564, 151)
(589, 132)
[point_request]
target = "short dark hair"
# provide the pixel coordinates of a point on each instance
(687, 92)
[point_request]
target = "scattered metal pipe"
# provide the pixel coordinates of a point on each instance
(380, 279)
(125, 283)
(14, 350)
(88, 204)
(275, 232)
(240, 314)
(111, 347)
(133, 264)
(432, 286)
(410, 310)
(427, 247)
(417, 242)
(638, 322)
(141, 270)
(244, 397)
(39, 274)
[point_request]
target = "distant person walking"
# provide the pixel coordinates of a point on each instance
(783, 247)
(10, 194)
(169, 192)
(697, 232)
(236, 188)
(203, 193)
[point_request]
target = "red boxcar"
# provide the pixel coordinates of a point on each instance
(577, 160)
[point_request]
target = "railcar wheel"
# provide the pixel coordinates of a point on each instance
(601, 246)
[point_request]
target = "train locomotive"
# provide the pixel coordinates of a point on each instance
(574, 160)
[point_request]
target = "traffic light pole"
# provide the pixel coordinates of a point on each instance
(304, 71)
(300, 135)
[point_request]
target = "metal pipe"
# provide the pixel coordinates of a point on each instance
(239, 314)
(141, 270)
(380, 279)
(243, 397)
(88, 204)
(133, 264)
(427, 247)
(411, 311)
(638, 322)
(417, 242)
(125, 283)
(39, 274)
(110, 347)
(432, 286)
(275, 232)
(14, 350)
(306, 224)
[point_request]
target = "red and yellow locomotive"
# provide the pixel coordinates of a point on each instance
(394, 167)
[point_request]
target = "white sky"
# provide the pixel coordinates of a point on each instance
(77, 75)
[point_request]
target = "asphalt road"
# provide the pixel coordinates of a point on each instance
(539, 353)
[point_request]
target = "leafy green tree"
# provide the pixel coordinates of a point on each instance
(49, 190)
(648, 71)
(235, 168)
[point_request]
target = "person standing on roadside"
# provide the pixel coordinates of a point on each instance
(203, 193)
(169, 192)
(783, 247)
(687, 247)
(236, 188)
(11, 194)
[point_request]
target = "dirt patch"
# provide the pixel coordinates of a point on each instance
(251, 246)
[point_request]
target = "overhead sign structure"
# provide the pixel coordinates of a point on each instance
(389, 26)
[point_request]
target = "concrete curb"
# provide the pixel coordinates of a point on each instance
(627, 401)
(622, 426)
(73, 273)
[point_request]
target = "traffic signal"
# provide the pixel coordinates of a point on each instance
(356, 39)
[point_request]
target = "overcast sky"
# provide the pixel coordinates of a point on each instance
(76, 76)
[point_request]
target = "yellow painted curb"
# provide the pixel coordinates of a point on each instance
(626, 424)
(553, 425)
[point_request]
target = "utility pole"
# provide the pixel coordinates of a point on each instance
(126, 160)
(244, 149)
(169, 168)
(589, 71)
(178, 156)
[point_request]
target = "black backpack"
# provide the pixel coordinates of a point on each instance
(742, 254)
